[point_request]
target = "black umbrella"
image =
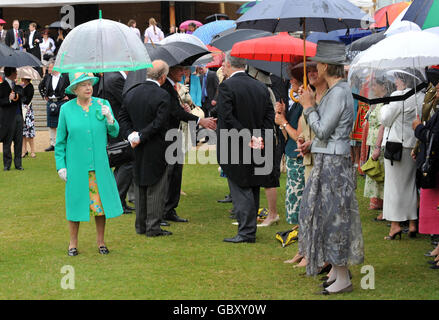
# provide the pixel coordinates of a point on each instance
(19, 59)
(216, 16)
(5, 50)
(226, 39)
(366, 42)
(173, 53)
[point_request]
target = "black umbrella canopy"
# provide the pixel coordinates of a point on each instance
(5, 50)
(226, 39)
(366, 42)
(318, 15)
(19, 59)
(173, 53)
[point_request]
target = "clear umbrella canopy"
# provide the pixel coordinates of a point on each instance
(184, 37)
(391, 64)
(101, 45)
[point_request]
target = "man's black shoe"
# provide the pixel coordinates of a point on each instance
(127, 211)
(159, 233)
(163, 223)
(175, 218)
(6, 169)
(239, 239)
(19, 168)
(227, 199)
(51, 148)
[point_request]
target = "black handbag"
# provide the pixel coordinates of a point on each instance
(393, 150)
(120, 153)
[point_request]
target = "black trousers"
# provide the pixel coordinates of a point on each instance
(175, 176)
(124, 178)
(15, 134)
(245, 206)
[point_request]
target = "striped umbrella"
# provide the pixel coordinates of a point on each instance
(246, 6)
(206, 32)
(425, 13)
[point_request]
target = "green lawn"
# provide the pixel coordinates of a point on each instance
(193, 263)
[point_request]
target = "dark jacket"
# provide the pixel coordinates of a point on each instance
(28, 94)
(8, 110)
(10, 37)
(36, 44)
(212, 84)
(177, 113)
(145, 109)
(110, 88)
(46, 90)
(243, 103)
(422, 133)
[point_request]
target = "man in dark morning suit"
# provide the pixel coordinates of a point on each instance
(52, 89)
(144, 120)
(32, 41)
(243, 104)
(110, 87)
(178, 113)
(209, 89)
(14, 37)
(11, 119)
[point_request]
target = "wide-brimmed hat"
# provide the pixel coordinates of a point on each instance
(258, 74)
(79, 77)
(330, 52)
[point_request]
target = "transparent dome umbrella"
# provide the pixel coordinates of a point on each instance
(184, 37)
(101, 45)
(390, 61)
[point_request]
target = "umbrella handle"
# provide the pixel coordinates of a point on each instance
(304, 55)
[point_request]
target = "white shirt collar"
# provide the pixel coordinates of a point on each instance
(171, 81)
(240, 71)
(9, 81)
(124, 75)
(156, 82)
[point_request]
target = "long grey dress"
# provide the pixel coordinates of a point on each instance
(329, 220)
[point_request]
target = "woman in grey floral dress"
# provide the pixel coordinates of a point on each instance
(329, 219)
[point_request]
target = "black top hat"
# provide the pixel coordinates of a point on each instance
(330, 52)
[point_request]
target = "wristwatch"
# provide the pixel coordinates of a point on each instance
(283, 126)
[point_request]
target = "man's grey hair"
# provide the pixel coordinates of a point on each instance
(159, 69)
(236, 63)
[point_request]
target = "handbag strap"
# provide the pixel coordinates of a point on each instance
(402, 126)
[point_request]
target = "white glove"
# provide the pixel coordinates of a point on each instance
(63, 174)
(134, 137)
(106, 112)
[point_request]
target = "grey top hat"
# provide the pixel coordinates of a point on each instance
(331, 52)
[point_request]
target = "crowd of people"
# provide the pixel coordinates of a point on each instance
(311, 125)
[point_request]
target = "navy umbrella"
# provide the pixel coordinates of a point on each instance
(226, 39)
(305, 15)
(319, 15)
(17, 59)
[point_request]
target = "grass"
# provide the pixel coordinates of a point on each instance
(193, 263)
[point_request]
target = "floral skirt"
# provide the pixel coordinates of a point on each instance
(96, 209)
(329, 220)
(29, 123)
(294, 189)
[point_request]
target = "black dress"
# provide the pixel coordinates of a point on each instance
(29, 117)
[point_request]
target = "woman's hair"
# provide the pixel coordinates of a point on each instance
(153, 23)
(335, 70)
(131, 23)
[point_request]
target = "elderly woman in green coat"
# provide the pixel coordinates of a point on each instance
(81, 159)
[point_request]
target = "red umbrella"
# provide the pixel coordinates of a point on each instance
(2, 21)
(217, 56)
(279, 48)
(388, 14)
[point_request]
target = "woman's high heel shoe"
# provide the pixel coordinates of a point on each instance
(393, 237)
(412, 234)
(24, 155)
(274, 221)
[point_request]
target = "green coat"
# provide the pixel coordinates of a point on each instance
(81, 142)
